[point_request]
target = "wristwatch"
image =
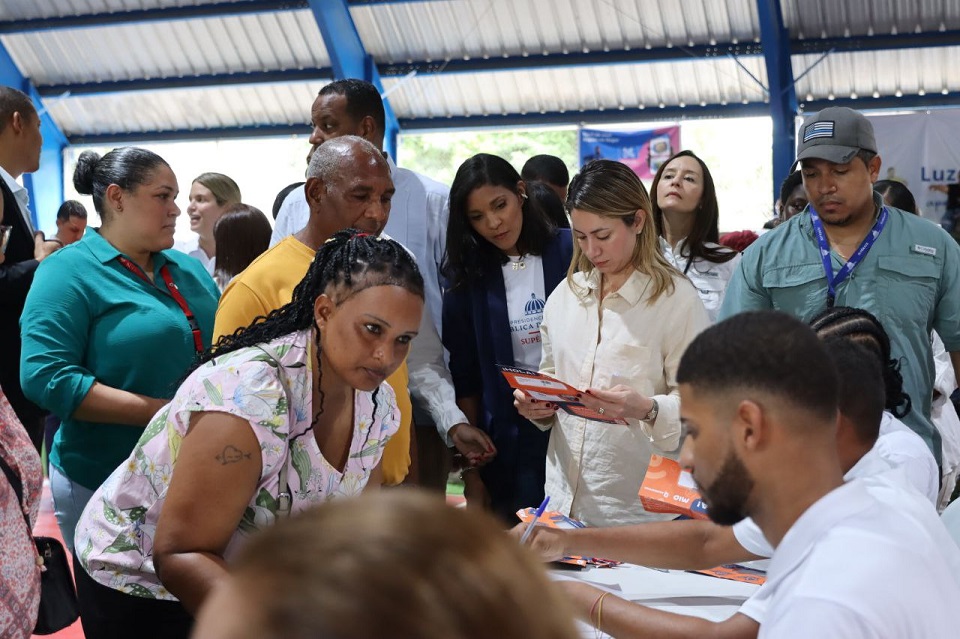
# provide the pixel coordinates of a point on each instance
(654, 411)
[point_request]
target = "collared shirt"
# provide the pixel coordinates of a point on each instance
(88, 319)
(897, 447)
(22, 195)
(594, 470)
(418, 220)
(910, 280)
(709, 278)
(192, 248)
(869, 559)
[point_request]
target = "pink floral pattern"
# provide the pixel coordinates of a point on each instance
(19, 573)
(272, 388)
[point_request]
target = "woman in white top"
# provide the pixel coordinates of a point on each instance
(211, 194)
(617, 328)
(686, 214)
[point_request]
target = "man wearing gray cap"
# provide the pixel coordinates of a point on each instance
(848, 249)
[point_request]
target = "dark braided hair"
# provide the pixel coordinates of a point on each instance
(863, 328)
(348, 263)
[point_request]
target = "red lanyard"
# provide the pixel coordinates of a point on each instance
(175, 293)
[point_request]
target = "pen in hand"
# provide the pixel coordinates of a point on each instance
(536, 518)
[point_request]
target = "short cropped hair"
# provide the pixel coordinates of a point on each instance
(71, 208)
(860, 386)
(766, 351)
(363, 99)
(14, 101)
(546, 168)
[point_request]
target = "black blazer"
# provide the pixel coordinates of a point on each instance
(16, 276)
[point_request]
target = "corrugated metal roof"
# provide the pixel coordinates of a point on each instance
(232, 44)
(439, 30)
(827, 18)
(869, 74)
(714, 81)
(491, 28)
(215, 107)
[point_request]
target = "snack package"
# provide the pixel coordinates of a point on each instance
(667, 488)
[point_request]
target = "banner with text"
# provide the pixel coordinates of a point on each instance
(643, 151)
(922, 150)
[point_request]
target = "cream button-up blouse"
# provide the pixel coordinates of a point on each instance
(594, 470)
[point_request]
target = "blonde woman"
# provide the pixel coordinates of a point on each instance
(211, 194)
(617, 328)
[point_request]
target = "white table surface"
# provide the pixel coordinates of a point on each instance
(675, 591)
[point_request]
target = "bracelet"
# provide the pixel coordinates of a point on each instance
(598, 606)
(466, 470)
(600, 613)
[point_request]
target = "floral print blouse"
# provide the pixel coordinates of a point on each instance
(270, 386)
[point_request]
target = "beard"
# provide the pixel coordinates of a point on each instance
(726, 497)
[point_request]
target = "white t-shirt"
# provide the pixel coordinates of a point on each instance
(526, 297)
(869, 559)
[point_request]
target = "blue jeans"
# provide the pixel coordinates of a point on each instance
(69, 500)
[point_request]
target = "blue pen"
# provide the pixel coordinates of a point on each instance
(536, 518)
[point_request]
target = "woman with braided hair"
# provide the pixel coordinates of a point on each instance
(286, 413)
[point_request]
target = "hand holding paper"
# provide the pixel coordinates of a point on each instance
(618, 402)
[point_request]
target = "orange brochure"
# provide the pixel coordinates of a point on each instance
(733, 572)
(547, 389)
(667, 488)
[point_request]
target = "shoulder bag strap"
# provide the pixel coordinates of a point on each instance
(14, 480)
(284, 496)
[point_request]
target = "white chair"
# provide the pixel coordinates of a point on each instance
(951, 519)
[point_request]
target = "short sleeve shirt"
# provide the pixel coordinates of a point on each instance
(910, 280)
(115, 534)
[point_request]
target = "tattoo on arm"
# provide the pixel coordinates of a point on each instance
(231, 454)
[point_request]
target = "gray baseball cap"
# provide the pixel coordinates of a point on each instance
(835, 134)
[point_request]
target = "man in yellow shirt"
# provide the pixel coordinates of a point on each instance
(348, 185)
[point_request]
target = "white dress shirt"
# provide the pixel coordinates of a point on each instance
(897, 447)
(709, 278)
(192, 248)
(594, 470)
(22, 196)
(869, 559)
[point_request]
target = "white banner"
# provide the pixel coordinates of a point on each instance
(921, 149)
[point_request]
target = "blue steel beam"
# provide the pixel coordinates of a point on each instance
(349, 57)
(45, 185)
(780, 86)
(572, 117)
(75, 89)
(164, 14)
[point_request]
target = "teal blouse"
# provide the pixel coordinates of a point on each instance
(87, 318)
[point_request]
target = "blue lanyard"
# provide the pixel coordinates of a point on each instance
(833, 281)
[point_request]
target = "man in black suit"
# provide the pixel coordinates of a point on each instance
(20, 143)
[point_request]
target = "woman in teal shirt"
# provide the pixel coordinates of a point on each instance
(113, 323)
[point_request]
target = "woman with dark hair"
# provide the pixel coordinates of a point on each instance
(686, 213)
(210, 196)
(896, 444)
(112, 323)
(897, 195)
(242, 235)
(616, 327)
(503, 259)
(284, 414)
